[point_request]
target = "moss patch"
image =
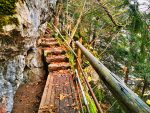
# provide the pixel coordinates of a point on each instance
(5, 20)
(7, 7)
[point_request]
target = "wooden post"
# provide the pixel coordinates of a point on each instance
(126, 71)
(79, 71)
(79, 58)
(88, 85)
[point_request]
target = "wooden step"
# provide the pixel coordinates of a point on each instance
(59, 94)
(62, 72)
(54, 51)
(47, 36)
(56, 58)
(48, 39)
(58, 66)
(49, 44)
(45, 40)
(54, 48)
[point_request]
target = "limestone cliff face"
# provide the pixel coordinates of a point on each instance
(20, 60)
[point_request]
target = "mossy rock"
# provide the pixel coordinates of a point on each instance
(5, 20)
(12, 44)
(7, 9)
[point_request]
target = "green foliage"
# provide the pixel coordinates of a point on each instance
(71, 57)
(142, 70)
(116, 108)
(85, 64)
(133, 46)
(130, 44)
(99, 94)
(91, 104)
(7, 7)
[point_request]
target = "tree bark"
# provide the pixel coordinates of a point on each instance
(144, 87)
(126, 75)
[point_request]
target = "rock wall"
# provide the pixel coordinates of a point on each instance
(20, 60)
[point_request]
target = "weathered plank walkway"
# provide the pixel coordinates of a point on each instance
(59, 95)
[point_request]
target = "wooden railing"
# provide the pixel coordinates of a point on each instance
(130, 101)
(125, 96)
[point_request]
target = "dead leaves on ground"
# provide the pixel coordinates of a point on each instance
(62, 96)
(47, 109)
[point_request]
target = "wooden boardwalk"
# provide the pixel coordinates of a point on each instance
(59, 95)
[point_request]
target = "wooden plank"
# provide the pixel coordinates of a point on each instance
(45, 92)
(74, 96)
(57, 93)
(47, 101)
(66, 91)
(63, 95)
(52, 98)
(43, 107)
(70, 97)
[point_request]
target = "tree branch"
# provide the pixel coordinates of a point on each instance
(109, 14)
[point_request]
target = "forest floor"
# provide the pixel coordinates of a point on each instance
(28, 97)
